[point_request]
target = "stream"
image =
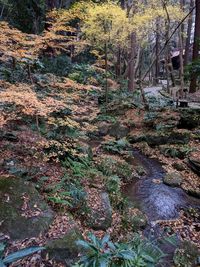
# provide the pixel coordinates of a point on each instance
(157, 200)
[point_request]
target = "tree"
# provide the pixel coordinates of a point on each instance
(188, 38)
(105, 26)
(27, 15)
(196, 49)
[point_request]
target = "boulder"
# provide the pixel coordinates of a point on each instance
(23, 213)
(173, 179)
(179, 166)
(119, 130)
(135, 218)
(189, 118)
(194, 164)
(103, 128)
(64, 249)
(100, 218)
(157, 139)
(195, 192)
(8, 136)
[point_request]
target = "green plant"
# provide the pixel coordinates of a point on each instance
(13, 257)
(109, 166)
(107, 118)
(70, 196)
(180, 152)
(116, 146)
(104, 253)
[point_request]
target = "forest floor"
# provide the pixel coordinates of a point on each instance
(83, 150)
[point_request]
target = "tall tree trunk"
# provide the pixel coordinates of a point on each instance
(167, 56)
(157, 51)
(118, 63)
(2, 10)
(193, 84)
(181, 33)
(138, 60)
(106, 69)
(131, 64)
(188, 38)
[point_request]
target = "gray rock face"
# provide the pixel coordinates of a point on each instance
(101, 219)
(173, 179)
(118, 130)
(64, 249)
(23, 213)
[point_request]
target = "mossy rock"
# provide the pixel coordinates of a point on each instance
(173, 179)
(163, 138)
(187, 255)
(64, 249)
(194, 164)
(101, 219)
(194, 191)
(19, 223)
(189, 118)
(135, 219)
(118, 130)
(179, 166)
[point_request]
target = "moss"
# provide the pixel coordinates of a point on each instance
(14, 224)
(64, 249)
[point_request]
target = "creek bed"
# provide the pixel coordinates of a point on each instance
(157, 200)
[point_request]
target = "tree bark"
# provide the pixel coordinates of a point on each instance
(131, 64)
(181, 33)
(188, 38)
(106, 69)
(157, 62)
(196, 56)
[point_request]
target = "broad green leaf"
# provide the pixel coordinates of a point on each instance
(21, 254)
(173, 240)
(83, 244)
(105, 239)
(2, 247)
(148, 258)
(126, 255)
(103, 263)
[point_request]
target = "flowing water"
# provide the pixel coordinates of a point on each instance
(157, 200)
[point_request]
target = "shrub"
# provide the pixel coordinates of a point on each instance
(116, 146)
(103, 252)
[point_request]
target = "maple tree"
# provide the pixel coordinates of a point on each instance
(78, 145)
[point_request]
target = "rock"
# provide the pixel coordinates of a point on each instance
(189, 118)
(194, 164)
(64, 249)
(179, 166)
(103, 128)
(140, 170)
(171, 138)
(118, 130)
(9, 136)
(101, 219)
(173, 179)
(155, 139)
(23, 212)
(187, 254)
(136, 219)
(195, 192)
